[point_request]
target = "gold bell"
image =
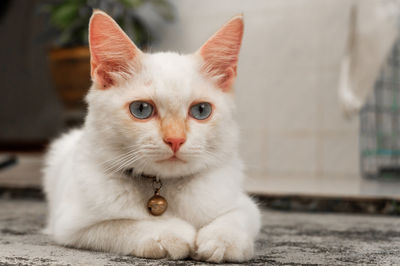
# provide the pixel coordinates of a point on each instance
(157, 204)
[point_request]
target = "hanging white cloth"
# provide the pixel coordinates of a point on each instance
(373, 29)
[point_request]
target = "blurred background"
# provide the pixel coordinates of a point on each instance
(320, 81)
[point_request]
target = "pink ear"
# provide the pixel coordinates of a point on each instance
(112, 52)
(220, 53)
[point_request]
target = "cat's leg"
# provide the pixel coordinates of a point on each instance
(230, 237)
(157, 238)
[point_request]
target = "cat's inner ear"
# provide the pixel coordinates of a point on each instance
(114, 56)
(221, 52)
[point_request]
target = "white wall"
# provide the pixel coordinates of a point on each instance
(294, 137)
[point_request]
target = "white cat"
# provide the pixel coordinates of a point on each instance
(160, 115)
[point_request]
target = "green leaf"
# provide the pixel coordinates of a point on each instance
(164, 8)
(70, 18)
(132, 3)
(65, 14)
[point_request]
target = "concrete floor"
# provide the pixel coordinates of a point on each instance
(286, 238)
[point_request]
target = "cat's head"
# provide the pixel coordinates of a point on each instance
(163, 114)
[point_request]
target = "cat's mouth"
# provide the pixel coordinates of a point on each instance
(173, 158)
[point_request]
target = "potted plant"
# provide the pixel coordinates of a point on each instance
(69, 56)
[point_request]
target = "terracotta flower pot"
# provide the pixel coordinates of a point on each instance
(70, 71)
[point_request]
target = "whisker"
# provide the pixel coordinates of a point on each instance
(122, 163)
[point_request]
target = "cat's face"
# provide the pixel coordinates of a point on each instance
(163, 114)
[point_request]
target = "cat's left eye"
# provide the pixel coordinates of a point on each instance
(141, 109)
(201, 111)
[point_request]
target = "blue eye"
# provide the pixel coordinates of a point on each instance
(141, 110)
(201, 111)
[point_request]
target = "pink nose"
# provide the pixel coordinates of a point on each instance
(174, 143)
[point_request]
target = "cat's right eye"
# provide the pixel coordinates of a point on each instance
(141, 109)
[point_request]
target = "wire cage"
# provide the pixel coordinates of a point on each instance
(380, 123)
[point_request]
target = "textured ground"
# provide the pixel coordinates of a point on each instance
(286, 238)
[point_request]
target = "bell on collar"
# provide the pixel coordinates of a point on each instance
(157, 204)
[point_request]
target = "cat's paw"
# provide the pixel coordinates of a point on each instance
(173, 242)
(167, 245)
(217, 244)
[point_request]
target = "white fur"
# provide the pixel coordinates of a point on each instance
(93, 205)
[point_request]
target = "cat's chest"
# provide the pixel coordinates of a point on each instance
(196, 204)
(196, 201)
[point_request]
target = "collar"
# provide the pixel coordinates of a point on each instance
(129, 172)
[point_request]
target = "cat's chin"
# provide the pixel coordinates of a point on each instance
(172, 159)
(172, 168)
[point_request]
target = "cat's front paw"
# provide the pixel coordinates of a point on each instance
(167, 245)
(218, 244)
(174, 242)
